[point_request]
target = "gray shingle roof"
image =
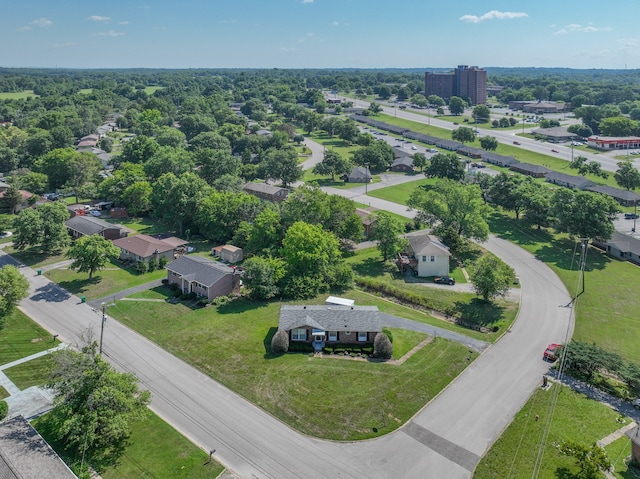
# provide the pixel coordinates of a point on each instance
(262, 188)
(423, 244)
(331, 318)
(199, 269)
(530, 169)
(617, 193)
(577, 181)
(24, 454)
(89, 225)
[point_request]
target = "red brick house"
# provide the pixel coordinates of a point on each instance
(203, 276)
(144, 247)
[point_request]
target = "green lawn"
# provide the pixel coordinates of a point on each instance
(231, 343)
(34, 257)
(3, 393)
(31, 373)
(574, 417)
(400, 193)
(150, 90)
(141, 225)
(155, 450)
(607, 311)
(105, 282)
(619, 453)
(21, 337)
(18, 95)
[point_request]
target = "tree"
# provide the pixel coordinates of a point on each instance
(446, 165)
(537, 204)
(420, 160)
(27, 229)
(137, 198)
(137, 150)
(13, 288)
(489, 143)
(95, 405)
(491, 277)
(627, 176)
(12, 198)
(386, 231)
(54, 232)
(265, 234)
(584, 214)
(435, 100)
(591, 460)
(262, 275)
(450, 204)
(312, 256)
(379, 156)
(505, 191)
(457, 105)
(333, 164)
(382, 347)
(584, 168)
(282, 164)
(33, 182)
(280, 342)
(481, 113)
(92, 253)
(464, 134)
(374, 108)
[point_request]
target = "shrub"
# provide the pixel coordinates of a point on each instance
(382, 347)
(165, 281)
(280, 342)
(142, 267)
(162, 262)
(4, 409)
(153, 264)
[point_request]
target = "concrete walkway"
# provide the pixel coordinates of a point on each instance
(96, 303)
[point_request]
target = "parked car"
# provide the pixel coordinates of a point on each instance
(550, 352)
(636, 403)
(432, 150)
(554, 151)
(444, 280)
(516, 142)
(414, 147)
(630, 216)
(95, 213)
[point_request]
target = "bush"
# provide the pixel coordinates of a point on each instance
(142, 267)
(162, 262)
(280, 342)
(382, 347)
(4, 409)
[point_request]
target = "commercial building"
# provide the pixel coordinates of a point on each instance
(465, 81)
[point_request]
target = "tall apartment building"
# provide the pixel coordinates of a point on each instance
(465, 82)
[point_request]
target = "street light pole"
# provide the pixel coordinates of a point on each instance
(366, 178)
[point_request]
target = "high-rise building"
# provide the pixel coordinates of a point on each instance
(465, 82)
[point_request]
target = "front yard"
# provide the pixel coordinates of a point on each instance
(332, 398)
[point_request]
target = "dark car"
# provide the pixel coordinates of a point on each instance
(444, 280)
(550, 354)
(630, 216)
(516, 142)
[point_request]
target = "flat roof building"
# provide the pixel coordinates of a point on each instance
(465, 82)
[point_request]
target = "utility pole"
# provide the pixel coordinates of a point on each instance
(104, 320)
(366, 177)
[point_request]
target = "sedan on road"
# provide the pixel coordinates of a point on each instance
(516, 143)
(444, 280)
(555, 151)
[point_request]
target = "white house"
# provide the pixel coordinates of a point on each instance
(425, 255)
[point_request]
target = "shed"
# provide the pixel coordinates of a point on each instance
(340, 301)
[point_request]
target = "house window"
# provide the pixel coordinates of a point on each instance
(333, 335)
(433, 259)
(424, 258)
(362, 336)
(298, 334)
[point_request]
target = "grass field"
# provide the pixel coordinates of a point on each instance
(34, 257)
(574, 418)
(155, 450)
(18, 95)
(21, 337)
(31, 373)
(110, 280)
(232, 344)
(619, 453)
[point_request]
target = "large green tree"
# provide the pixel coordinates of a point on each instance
(95, 405)
(627, 176)
(379, 156)
(491, 277)
(489, 143)
(584, 214)
(332, 164)
(13, 288)
(445, 165)
(12, 198)
(386, 231)
(92, 253)
(481, 113)
(262, 276)
(457, 105)
(54, 231)
(282, 164)
(452, 205)
(464, 134)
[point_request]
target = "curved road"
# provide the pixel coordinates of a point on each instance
(445, 439)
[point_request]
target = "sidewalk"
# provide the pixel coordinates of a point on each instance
(97, 303)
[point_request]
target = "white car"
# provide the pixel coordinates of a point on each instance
(94, 213)
(414, 147)
(636, 403)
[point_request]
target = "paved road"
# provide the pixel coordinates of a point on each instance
(446, 439)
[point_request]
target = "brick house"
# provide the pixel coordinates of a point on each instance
(203, 276)
(266, 192)
(79, 226)
(144, 247)
(321, 325)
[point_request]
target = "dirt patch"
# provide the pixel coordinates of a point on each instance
(37, 340)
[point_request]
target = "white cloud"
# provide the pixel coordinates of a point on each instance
(577, 28)
(307, 1)
(336, 23)
(99, 18)
(111, 33)
(42, 22)
(123, 23)
(492, 15)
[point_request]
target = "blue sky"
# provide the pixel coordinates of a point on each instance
(318, 33)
